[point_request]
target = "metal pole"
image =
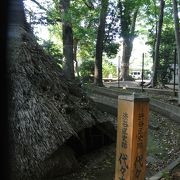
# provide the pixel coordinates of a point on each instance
(142, 72)
(174, 84)
(118, 72)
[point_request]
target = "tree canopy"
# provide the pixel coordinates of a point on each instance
(125, 20)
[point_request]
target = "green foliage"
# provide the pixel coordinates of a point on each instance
(83, 15)
(109, 69)
(54, 51)
(149, 27)
(53, 15)
(111, 30)
(111, 49)
(126, 14)
(166, 53)
(84, 22)
(167, 46)
(166, 175)
(86, 69)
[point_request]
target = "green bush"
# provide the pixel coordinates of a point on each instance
(109, 69)
(54, 51)
(86, 70)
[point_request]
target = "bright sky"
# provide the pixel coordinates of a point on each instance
(40, 30)
(139, 47)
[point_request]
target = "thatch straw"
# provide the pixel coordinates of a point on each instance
(44, 108)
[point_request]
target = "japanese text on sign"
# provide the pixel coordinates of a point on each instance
(140, 130)
(124, 130)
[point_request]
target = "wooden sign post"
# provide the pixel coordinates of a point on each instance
(132, 129)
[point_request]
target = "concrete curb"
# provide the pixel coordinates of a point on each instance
(155, 91)
(110, 105)
(101, 104)
(171, 166)
(165, 109)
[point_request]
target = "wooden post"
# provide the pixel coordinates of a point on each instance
(132, 130)
(119, 67)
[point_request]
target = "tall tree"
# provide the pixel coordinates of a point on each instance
(128, 11)
(157, 44)
(166, 54)
(177, 36)
(99, 43)
(167, 41)
(83, 25)
(67, 40)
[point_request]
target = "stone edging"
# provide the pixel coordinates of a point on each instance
(167, 169)
(165, 109)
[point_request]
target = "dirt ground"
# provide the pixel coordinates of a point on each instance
(163, 148)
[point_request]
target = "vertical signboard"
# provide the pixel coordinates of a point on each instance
(132, 129)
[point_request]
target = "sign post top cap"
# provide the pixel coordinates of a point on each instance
(133, 97)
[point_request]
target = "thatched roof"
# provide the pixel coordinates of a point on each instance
(44, 108)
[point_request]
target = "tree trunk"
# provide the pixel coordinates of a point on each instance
(99, 44)
(127, 49)
(177, 36)
(127, 46)
(67, 41)
(157, 44)
(156, 25)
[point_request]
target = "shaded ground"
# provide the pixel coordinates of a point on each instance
(163, 148)
(163, 142)
(96, 165)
